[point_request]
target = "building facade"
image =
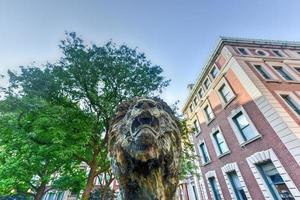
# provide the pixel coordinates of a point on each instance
(244, 110)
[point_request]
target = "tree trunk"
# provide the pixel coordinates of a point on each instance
(40, 191)
(90, 182)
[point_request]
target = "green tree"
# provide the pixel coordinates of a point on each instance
(32, 155)
(97, 79)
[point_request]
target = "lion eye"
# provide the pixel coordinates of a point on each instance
(145, 105)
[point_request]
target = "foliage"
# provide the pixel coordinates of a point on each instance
(31, 150)
(84, 87)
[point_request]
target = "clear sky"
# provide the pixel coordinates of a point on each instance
(178, 35)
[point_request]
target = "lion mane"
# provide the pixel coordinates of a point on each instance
(144, 144)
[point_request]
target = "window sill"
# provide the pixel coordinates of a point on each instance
(204, 164)
(273, 81)
(224, 154)
(231, 100)
(251, 140)
(293, 82)
(208, 122)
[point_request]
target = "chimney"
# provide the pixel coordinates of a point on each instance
(190, 86)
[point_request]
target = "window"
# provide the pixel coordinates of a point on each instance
(274, 181)
(209, 113)
(201, 92)
(261, 52)
(226, 93)
(262, 72)
(297, 69)
(214, 72)
(197, 127)
(280, 70)
(191, 107)
(278, 53)
(236, 185)
(205, 156)
(243, 126)
(214, 188)
(196, 100)
(195, 193)
(292, 103)
(220, 143)
(207, 83)
(243, 51)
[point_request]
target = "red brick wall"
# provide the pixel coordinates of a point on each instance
(239, 154)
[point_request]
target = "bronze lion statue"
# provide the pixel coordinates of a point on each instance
(145, 145)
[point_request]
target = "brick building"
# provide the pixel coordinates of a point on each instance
(245, 113)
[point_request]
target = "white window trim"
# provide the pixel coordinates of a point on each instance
(211, 174)
(201, 154)
(294, 97)
(266, 53)
(237, 131)
(196, 119)
(280, 51)
(203, 94)
(210, 82)
(214, 66)
(294, 75)
(273, 77)
(234, 167)
(246, 49)
(269, 155)
(214, 130)
(218, 87)
(207, 103)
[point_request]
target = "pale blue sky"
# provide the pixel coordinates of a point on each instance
(176, 34)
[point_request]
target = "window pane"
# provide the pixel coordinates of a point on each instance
(244, 127)
(243, 51)
(237, 187)
(293, 104)
(248, 133)
(214, 188)
(204, 153)
(283, 73)
(214, 72)
(278, 53)
(242, 121)
(222, 147)
(197, 126)
(209, 113)
(262, 71)
(207, 83)
(226, 93)
(274, 181)
(201, 92)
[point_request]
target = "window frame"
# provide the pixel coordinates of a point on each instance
(209, 83)
(197, 132)
(222, 82)
(285, 72)
(212, 174)
(230, 167)
(216, 144)
(269, 155)
(207, 119)
(294, 98)
(237, 132)
(211, 74)
(280, 55)
(245, 49)
(262, 50)
(203, 161)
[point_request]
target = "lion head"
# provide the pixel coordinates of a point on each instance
(144, 141)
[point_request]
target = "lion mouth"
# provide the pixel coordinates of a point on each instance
(143, 121)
